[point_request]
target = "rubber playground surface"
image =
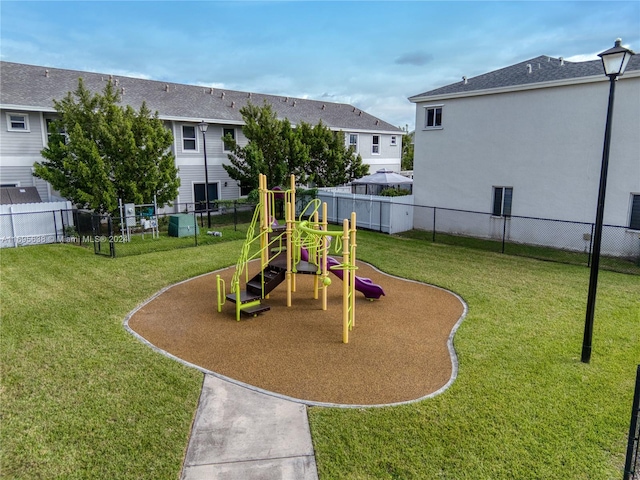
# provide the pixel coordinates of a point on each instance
(397, 350)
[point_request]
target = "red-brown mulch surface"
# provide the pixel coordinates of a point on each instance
(397, 350)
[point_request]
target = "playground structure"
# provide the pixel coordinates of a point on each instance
(300, 246)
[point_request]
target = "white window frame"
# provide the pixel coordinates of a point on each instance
(375, 146)
(25, 117)
(224, 134)
(194, 138)
(394, 140)
(350, 144)
(436, 125)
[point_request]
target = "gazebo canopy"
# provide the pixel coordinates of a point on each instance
(383, 177)
(374, 184)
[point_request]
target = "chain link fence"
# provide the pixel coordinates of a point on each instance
(191, 227)
(546, 239)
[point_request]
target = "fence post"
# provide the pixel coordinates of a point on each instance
(112, 244)
(504, 230)
(590, 245)
(235, 215)
(634, 434)
(433, 239)
(55, 225)
(195, 226)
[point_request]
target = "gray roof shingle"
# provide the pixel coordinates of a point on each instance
(37, 87)
(543, 69)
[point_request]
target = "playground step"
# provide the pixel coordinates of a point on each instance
(280, 263)
(245, 297)
(306, 267)
(255, 310)
(272, 278)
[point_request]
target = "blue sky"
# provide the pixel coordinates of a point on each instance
(369, 54)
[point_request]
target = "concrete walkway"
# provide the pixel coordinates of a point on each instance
(239, 433)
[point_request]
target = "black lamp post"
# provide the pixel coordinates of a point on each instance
(203, 128)
(614, 62)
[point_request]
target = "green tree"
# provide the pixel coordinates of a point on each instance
(407, 151)
(276, 149)
(100, 152)
(331, 161)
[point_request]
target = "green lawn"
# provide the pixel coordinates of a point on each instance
(81, 398)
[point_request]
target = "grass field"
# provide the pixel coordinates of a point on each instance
(81, 398)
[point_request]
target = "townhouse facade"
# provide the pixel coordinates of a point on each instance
(527, 140)
(27, 93)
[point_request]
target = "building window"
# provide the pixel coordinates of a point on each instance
(433, 117)
(245, 190)
(394, 140)
(188, 137)
(199, 197)
(228, 131)
(353, 141)
(48, 122)
(634, 220)
(18, 122)
(375, 146)
(502, 197)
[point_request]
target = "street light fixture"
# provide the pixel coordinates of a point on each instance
(203, 128)
(614, 62)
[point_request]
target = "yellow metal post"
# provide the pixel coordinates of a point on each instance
(264, 220)
(325, 251)
(315, 258)
(289, 252)
(345, 282)
(352, 271)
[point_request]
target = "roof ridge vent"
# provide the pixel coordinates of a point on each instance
(286, 99)
(294, 103)
(46, 73)
(233, 104)
(323, 106)
(122, 90)
(166, 87)
(222, 95)
(529, 69)
(360, 113)
(464, 80)
(561, 61)
(377, 122)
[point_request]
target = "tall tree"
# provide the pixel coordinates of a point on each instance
(331, 161)
(100, 152)
(276, 149)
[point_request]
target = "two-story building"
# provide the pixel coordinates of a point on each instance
(527, 140)
(26, 106)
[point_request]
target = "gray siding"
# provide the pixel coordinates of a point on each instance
(14, 143)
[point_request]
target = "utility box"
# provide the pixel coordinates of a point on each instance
(183, 226)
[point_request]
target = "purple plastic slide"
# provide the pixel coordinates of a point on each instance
(364, 285)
